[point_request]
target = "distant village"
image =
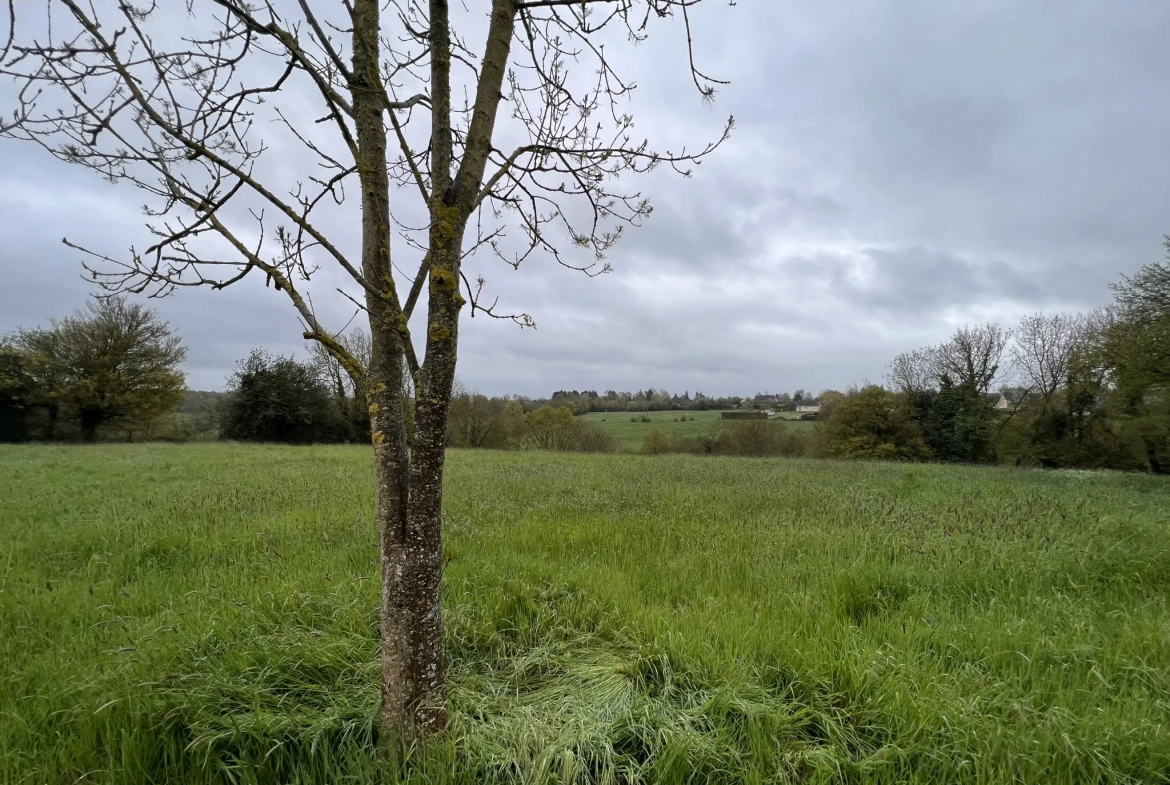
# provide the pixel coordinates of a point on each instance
(800, 405)
(776, 404)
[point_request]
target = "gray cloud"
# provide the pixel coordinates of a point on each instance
(898, 168)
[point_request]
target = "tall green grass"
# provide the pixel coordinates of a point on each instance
(207, 614)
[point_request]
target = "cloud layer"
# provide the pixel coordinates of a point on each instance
(898, 168)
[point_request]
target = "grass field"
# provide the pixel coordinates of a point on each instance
(630, 434)
(205, 614)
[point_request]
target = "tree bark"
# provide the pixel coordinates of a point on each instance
(450, 207)
(410, 479)
(411, 630)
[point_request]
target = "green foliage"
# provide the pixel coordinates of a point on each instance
(551, 428)
(829, 400)
(203, 407)
(17, 391)
(591, 438)
(512, 422)
(43, 364)
(114, 363)
(761, 438)
(277, 399)
(655, 442)
(555, 428)
(1148, 429)
(1134, 346)
(874, 424)
(639, 402)
(611, 620)
(475, 420)
(958, 423)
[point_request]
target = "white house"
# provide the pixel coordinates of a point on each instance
(808, 407)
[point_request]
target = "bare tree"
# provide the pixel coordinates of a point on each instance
(1046, 345)
(187, 113)
(973, 356)
(915, 371)
(355, 341)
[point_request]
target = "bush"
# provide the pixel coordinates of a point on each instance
(16, 395)
(476, 421)
(551, 428)
(277, 399)
(655, 442)
(874, 424)
(759, 438)
(695, 445)
(591, 438)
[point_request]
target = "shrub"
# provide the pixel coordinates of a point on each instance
(590, 438)
(874, 424)
(655, 442)
(696, 445)
(760, 438)
(474, 420)
(277, 399)
(552, 428)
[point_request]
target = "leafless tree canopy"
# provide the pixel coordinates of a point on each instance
(914, 371)
(197, 120)
(357, 343)
(972, 357)
(1046, 345)
(255, 130)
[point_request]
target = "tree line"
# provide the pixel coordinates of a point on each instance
(1058, 390)
(648, 400)
(1075, 390)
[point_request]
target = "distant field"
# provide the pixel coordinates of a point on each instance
(630, 434)
(206, 614)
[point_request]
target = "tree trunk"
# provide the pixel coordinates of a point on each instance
(52, 428)
(407, 524)
(410, 479)
(89, 422)
(391, 466)
(1156, 466)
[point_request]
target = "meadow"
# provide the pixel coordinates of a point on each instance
(206, 614)
(630, 430)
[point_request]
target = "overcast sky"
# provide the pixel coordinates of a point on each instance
(899, 168)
